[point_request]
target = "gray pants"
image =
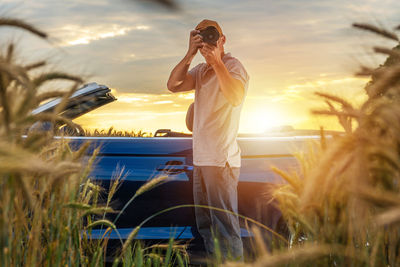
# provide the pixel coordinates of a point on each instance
(217, 187)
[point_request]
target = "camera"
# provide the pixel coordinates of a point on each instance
(210, 35)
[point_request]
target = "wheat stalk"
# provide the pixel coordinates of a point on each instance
(374, 29)
(23, 25)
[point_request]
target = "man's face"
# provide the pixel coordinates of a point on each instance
(221, 42)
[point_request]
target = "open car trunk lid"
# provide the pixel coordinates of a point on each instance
(83, 100)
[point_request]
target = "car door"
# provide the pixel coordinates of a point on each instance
(142, 160)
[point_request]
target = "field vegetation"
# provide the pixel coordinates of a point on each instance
(111, 132)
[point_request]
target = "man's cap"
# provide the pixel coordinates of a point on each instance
(207, 23)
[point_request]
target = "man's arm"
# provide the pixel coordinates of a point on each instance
(232, 88)
(180, 80)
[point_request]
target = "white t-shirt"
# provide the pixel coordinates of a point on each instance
(216, 121)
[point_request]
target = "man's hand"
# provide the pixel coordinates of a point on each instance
(195, 42)
(212, 54)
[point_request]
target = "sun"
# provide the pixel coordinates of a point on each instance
(258, 120)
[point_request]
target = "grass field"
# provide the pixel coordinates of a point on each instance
(111, 132)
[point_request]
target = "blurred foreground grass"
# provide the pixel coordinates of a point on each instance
(48, 204)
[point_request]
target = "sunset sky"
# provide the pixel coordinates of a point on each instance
(289, 48)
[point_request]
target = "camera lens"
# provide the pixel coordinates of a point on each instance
(210, 35)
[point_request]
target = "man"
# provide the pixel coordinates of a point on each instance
(220, 87)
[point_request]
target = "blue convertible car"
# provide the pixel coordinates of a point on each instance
(170, 153)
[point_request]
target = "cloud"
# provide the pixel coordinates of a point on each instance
(78, 35)
(107, 37)
(163, 102)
